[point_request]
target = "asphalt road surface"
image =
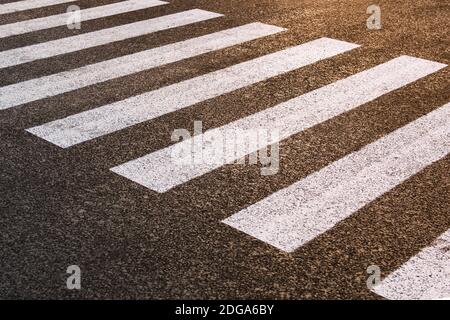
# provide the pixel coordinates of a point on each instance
(90, 99)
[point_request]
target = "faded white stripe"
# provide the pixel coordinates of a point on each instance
(158, 172)
(98, 38)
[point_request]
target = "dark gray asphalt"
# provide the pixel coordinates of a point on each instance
(62, 207)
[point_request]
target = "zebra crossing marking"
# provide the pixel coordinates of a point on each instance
(288, 218)
(13, 29)
(297, 214)
(29, 4)
(47, 86)
(97, 38)
(425, 276)
(122, 114)
(157, 171)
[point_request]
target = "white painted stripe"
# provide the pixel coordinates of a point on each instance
(21, 27)
(29, 4)
(297, 214)
(110, 118)
(97, 38)
(159, 172)
(425, 276)
(35, 89)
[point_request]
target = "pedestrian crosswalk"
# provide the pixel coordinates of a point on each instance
(425, 276)
(157, 172)
(29, 4)
(110, 118)
(288, 218)
(105, 36)
(293, 216)
(66, 81)
(8, 30)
